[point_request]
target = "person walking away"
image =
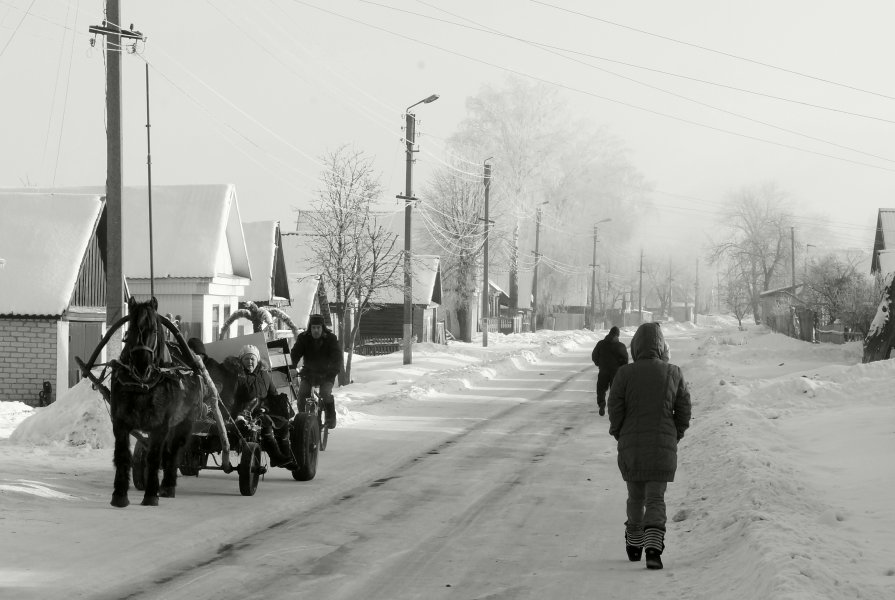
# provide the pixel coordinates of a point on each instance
(609, 354)
(318, 347)
(649, 411)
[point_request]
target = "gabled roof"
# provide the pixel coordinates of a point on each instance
(884, 239)
(196, 230)
(303, 288)
(297, 253)
(426, 285)
(43, 238)
(504, 298)
(269, 278)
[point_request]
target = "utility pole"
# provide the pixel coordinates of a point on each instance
(486, 285)
(534, 285)
(593, 285)
(792, 241)
(111, 29)
(640, 292)
(409, 139)
(696, 295)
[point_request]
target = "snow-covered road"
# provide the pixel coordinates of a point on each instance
(496, 478)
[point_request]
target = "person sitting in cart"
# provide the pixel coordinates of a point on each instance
(255, 391)
(323, 360)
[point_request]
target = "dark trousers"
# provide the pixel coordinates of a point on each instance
(604, 380)
(646, 505)
(326, 388)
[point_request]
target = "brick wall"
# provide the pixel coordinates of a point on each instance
(27, 359)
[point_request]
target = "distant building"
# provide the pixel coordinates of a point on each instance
(52, 290)
(883, 260)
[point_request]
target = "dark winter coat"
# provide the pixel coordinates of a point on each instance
(322, 357)
(250, 386)
(649, 409)
(609, 354)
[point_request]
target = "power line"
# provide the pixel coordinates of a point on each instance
(707, 49)
(594, 95)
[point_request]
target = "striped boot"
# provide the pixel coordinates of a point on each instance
(634, 544)
(653, 544)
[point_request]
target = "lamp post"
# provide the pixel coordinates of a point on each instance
(409, 138)
(593, 280)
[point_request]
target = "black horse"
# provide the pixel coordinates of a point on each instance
(148, 395)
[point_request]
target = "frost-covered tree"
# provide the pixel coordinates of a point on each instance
(756, 239)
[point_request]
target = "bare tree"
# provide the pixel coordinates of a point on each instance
(542, 153)
(737, 295)
(756, 240)
(357, 256)
(452, 215)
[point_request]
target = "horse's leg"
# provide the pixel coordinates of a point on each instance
(122, 461)
(153, 460)
(178, 438)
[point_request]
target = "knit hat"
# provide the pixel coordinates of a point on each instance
(316, 319)
(249, 349)
(614, 332)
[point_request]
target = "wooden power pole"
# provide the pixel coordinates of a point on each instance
(486, 285)
(111, 29)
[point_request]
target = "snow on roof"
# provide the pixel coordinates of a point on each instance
(426, 271)
(297, 253)
(196, 229)
(43, 238)
(303, 289)
(260, 239)
(193, 226)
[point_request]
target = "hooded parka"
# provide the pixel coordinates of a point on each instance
(649, 409)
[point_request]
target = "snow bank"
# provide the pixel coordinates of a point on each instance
(79, 417)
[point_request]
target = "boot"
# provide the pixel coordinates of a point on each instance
(270, 445)
(329, 408)
(653, 544)
(286, 451)
(634, 544)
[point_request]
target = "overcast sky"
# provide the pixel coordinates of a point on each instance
(254, 92)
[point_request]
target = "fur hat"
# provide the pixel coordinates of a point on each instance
(249, 349)
(316, 319)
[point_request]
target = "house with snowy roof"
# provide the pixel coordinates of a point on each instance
(52, 290)
(386, 319)
(200, 264)
(883, 259)
(306, 283)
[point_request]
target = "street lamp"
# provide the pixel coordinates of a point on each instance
(593, 280)
(409, 138)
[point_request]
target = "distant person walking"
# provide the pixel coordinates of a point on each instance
(609, 354)
(649, 410)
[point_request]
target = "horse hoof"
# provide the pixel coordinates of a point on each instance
(150, 501)
(119, 501)
(166, 492)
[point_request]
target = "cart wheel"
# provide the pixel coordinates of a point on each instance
(138, 465)
(305, 439)
(249, 468)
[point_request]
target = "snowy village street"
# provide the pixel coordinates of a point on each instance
(489, 474)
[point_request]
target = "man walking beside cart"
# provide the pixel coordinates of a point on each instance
(318, 347)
